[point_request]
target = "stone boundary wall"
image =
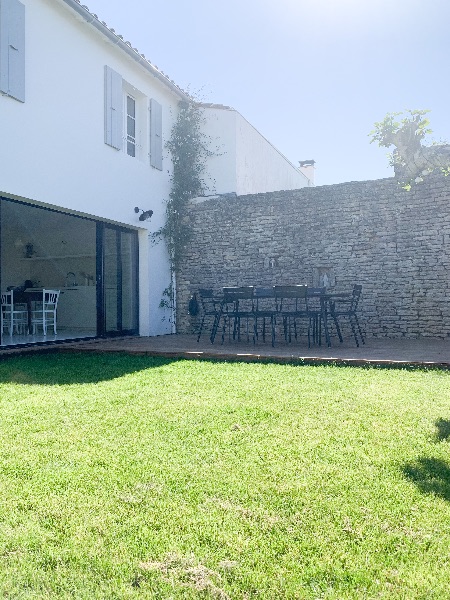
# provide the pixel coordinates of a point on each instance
(393, 242)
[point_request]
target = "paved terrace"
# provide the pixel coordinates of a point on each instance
(428, 352)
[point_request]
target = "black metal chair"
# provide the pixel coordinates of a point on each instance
(237, 306)
(317, 314)
(210, 307)
(347, 307)
(264, 309)
(291, 304)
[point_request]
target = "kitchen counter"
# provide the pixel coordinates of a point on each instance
(77, 307)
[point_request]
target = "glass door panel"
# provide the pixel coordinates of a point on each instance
(111, 281)
(120, 281)
(128, 249)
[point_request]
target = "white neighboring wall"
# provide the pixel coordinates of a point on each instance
(245, 162)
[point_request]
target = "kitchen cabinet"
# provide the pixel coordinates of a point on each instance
(77, 307)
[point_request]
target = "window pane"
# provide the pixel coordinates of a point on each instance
(131, 106)
(131, 149)
(131, 127)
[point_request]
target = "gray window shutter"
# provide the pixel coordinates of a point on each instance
(113, 109)
(12, 49)
(155, 134)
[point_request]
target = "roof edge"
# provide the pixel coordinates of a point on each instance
(93, 20)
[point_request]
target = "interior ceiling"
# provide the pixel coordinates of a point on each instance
(29, 222)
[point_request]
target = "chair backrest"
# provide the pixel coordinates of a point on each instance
(315, 295)
(264, 299)
(290, 291)
(246, 291)
(50, 299)
(7, 300)
(264, 292)
(291, 298)
(316, 291)
(356, 295)
(208, 300)
(238, 297)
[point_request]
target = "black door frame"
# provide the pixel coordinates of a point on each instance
(101, 295)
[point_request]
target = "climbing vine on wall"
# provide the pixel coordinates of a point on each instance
(188, 146)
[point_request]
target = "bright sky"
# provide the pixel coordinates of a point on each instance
(311, 75)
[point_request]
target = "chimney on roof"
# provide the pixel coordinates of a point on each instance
(307, 168)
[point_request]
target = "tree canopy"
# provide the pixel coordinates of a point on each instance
(412, 160)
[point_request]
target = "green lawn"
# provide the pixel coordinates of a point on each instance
(132, 477)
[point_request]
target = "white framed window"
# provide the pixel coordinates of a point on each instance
(133, 122)
(130, 125)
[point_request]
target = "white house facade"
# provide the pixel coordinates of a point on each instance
(84, 119)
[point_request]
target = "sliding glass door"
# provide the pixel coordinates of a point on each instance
(117, 280)
(93, 265)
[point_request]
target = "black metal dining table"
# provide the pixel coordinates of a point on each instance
(323, 314)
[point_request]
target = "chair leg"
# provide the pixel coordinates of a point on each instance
(318, 329)
(237, 327)
(201, 328)
(338, 329)
(215, 327)
(287, 328)
(352, 324)
(225, 319)
(313, 329)
(359, 329)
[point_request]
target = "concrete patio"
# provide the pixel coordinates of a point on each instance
(427, 352)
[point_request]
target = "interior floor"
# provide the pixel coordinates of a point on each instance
(12, 340)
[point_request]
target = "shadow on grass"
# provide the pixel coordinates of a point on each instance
(430, 475)
(443, 429)
(66, 369)
(76, 368)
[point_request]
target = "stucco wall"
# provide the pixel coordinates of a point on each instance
(219, 127)
(395, 243)
(244, 161)
(55, 152)
(260, 166)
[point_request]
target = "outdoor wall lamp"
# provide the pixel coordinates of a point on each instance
(146, 214)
